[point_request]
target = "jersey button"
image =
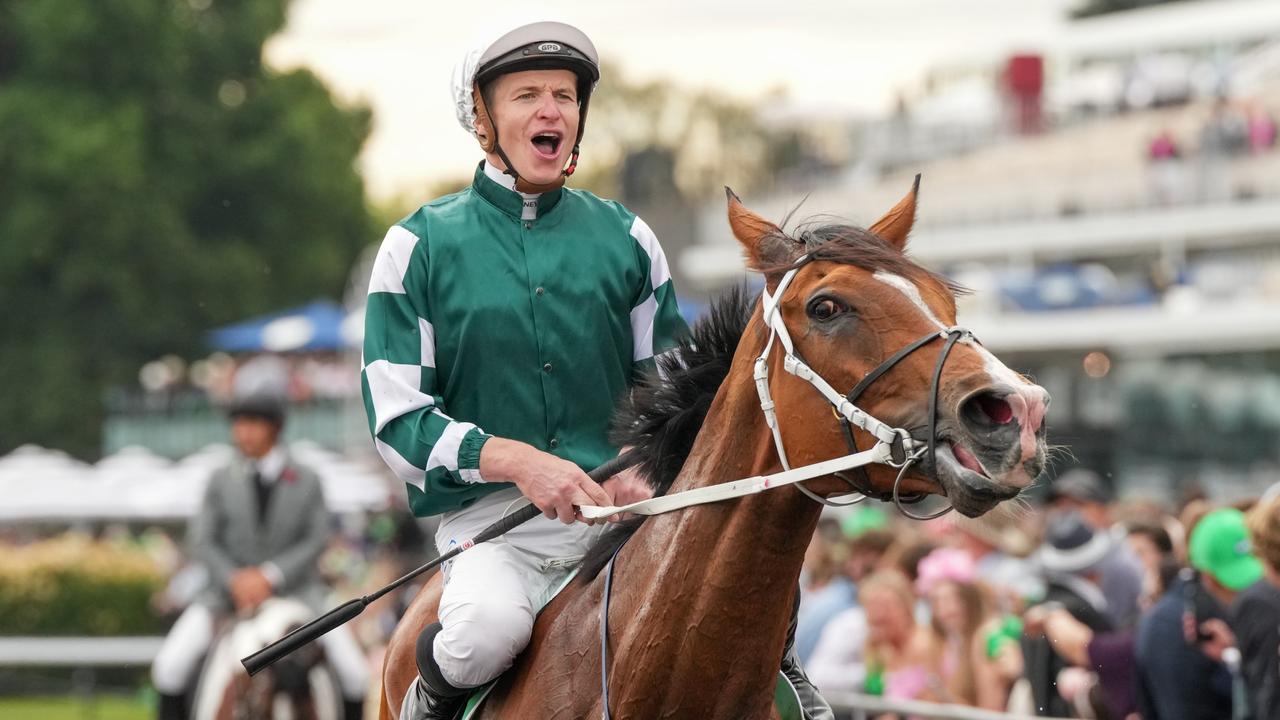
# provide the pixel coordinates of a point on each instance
(540, 290)
(546, 368)
(555, 443)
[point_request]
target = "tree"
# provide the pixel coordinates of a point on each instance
(713, 140)
(155, 181)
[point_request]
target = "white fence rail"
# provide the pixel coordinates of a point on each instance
(856, 706)
(83, 652)
(78, 651)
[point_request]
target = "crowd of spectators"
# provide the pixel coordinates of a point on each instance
(305, 376)
(1082, 607)
(1231, 130)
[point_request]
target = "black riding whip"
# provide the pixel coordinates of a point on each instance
(348, 610)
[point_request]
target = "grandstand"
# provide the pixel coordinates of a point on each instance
(1141, 286)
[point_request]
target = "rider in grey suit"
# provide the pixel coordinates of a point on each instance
(259, 532)
(228, 539)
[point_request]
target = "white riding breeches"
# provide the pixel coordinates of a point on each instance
(175, 664)
(493, 591)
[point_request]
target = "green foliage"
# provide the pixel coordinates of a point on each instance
(715, 140)
(73, 587)
(155, 181)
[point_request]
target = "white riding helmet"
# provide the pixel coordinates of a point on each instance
(535, 46)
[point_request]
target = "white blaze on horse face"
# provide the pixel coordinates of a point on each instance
(998, 371)
(908, 288)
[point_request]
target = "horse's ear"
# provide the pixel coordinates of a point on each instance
(896, 224)
(764, 243)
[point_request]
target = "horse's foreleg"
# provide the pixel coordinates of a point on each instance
(399, 666)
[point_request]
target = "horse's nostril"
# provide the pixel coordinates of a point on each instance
(988, 409)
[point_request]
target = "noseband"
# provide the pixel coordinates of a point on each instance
(904, 451)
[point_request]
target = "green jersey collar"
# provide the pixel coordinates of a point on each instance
(507, 199)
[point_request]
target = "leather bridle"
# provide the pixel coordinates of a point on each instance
(904, 449)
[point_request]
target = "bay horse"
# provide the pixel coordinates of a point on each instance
(702, 598)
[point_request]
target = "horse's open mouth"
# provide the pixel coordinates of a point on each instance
(965, 457)
(968, 485)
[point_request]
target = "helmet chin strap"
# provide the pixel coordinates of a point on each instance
(489, 143)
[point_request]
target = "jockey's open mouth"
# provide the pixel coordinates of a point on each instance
(547, 144)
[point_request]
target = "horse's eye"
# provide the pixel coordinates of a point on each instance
(824, 308)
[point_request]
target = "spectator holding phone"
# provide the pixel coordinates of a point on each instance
(1176, 679)
(1221, 550)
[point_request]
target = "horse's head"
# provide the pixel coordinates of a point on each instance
(854, 302)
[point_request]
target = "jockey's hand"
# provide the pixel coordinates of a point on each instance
(249, 588)
(556, 486)
(625, 488)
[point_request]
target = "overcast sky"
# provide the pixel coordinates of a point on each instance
(851, 56)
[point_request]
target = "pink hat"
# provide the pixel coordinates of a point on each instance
(942, 565)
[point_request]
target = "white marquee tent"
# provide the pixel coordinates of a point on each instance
(37, 484)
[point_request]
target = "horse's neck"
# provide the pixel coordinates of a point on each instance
(709, 590)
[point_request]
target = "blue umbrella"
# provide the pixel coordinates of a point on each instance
(316, 326)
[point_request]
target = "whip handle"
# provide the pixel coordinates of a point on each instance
(303, 635)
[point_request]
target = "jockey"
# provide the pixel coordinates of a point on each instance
(503, 323)
(258, 533)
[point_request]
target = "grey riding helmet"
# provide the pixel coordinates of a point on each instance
(542, 46)
(261, 406)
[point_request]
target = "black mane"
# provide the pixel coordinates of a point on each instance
(661, 417)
